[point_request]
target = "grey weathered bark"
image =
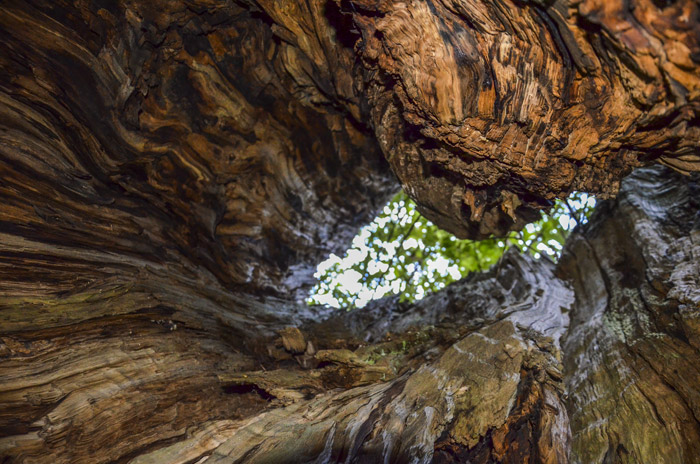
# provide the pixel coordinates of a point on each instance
(632, 356)
(172, 171)
(472, 371)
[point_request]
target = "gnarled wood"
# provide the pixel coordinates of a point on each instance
(172, 171)
(632, 352)
(162, 132)
(470, 375)
(487, 111)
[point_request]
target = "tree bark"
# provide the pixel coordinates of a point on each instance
(469, 373)
(173, 171)
(631, 354)
(472, 373)
(487, 111)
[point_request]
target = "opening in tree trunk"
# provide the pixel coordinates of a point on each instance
(171, 172)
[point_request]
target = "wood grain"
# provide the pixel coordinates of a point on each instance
(171, 173)
(632, 359)
(487, 111)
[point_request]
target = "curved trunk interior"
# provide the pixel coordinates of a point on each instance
(172, 172)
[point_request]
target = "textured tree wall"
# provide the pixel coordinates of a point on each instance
(172, 171)
(486, 111)
(174, 132)
(631, 353)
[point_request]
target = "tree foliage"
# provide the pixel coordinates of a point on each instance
(401, 252)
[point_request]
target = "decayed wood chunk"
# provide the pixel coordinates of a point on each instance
(293, 340)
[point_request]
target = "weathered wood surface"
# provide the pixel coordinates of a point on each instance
(166, 132)
(158, 373)
(471, 373)
(171, 172)
(218, 114)
(161, 384)
(632, 354)
(488, 110)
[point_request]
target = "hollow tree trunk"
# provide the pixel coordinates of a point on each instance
(486, 111)
(473, 373)
(171, 173)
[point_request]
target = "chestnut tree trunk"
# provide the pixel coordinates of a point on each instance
(172, 172)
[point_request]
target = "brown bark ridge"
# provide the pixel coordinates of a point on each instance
(632, 353)
(487, 111)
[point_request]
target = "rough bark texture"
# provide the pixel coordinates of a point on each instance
(168, 371)
(172, 171)
(173, 133)
(221, 113)
(463, 374)
(632, 354)
(487, 111)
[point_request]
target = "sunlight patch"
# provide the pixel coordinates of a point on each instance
(401, 252)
